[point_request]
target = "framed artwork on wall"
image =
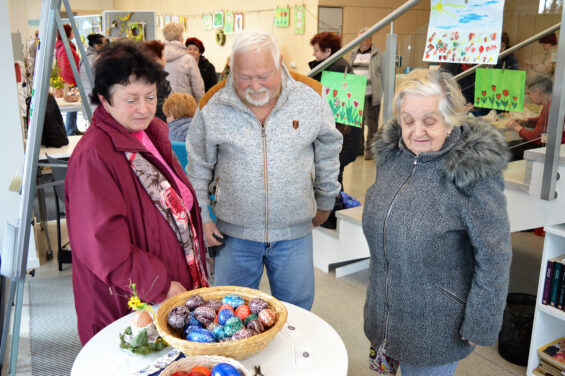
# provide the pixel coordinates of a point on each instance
(218, 20)
(237, 22)
(207, 21)
(228, 23)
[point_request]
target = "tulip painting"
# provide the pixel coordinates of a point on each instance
(346, 96)
(500, 89)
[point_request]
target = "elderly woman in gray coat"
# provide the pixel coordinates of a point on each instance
(438, 231)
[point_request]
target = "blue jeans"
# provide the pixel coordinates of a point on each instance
(71, 123)
(289, 265)
(442, 370)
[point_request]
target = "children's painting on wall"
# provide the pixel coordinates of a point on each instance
(500, 89)
(167, 19)
(345, 94)
(464, 31)
(207, 21)
(282, 16)
(237, 22)
(218, 20)
(299, 15)
(175, 18)
(228, 23)
(182, 22)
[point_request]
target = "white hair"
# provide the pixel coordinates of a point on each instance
(255, 40)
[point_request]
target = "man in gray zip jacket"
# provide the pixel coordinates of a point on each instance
(264, 142)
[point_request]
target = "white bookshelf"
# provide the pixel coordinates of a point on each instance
(549, 322)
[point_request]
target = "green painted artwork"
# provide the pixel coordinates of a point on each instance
(282, 17)
(228, 23)
(500, 89)
(299, 18)
(218, 20)
(345, 94)
(207, 21)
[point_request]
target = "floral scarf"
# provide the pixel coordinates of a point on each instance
(172, 207)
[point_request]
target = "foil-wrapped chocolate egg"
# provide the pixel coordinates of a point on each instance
(233, 300)
(224, 315)
(242, 333)
(257, 304)
(252, 316)
(193, 302)
(256, 326)
(224, 369)
(232, 325)
(214, 303)
(219, 332)
(201, 335)
(267, 317)
(242, 312)
(178, 317)
(204, 315)
(189, 329)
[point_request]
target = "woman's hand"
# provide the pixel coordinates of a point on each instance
(514, 125)
(175, 289)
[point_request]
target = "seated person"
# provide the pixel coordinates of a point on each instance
(179, 109)
(531, 129)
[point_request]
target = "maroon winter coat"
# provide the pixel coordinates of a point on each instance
(116, 233)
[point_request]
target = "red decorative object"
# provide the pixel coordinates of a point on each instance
(505, 92)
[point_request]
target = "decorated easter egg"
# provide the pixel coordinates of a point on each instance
(232, 325)
(204, 315)
(243, 333)
(226, 339)
(186, 331)
(267, 317)
(257, 304)
(193, 302)
(233, 300)
(201, 335)
(224, 315)
(178, 317)
(242, 312)
(224, 369)
(226, 306)
(203, 370)
(219, 332)
(212, 325)
(192, 320)
(256, 326)
(214, 303)
(252, 316)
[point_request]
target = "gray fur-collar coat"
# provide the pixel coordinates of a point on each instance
(439, 239)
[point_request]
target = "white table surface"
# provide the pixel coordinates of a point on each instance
(62, 152)
(65, 106)
(282, 357)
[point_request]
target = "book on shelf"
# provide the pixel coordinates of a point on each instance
(561, 293)
(554, 353)
(548, 280)
(542, 372)
(549, 368)
(556, 280)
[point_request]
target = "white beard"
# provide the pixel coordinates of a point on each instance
(257, 102)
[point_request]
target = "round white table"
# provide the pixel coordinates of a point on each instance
(306, 345)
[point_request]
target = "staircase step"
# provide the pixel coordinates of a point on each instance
(518, 175)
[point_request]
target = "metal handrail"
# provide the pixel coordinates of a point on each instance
(373, 29)
(510, 50)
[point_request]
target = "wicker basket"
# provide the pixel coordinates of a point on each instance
(208, 361)
(239, 349)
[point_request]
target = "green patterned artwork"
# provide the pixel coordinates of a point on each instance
(228, 23)
(282, 17)
(500, 89)
(345, 94)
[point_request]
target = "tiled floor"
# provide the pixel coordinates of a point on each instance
(340, 301)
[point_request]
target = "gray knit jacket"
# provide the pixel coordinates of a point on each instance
(268, 181)
(439, 239)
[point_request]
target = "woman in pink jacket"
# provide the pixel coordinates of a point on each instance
(66, 72)
(132, 214)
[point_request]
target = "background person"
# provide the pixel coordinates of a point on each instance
(179, 109)
(95, 43)
(438, 231)
(268, 143)
(544, 63)
(66, 72)
(163, 87)
(195, 48)
(367, 61)
(184, 75)
(324, 45)
(121, 231)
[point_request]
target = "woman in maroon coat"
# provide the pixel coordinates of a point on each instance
(132, 214)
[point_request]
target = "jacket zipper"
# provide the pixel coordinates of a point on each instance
(265, 182)
(415, 163)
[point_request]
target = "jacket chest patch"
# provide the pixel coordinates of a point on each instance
(295, 124)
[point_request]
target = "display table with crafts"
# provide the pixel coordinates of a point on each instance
(306, 345)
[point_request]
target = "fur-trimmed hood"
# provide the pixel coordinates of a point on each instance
(475, 150)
